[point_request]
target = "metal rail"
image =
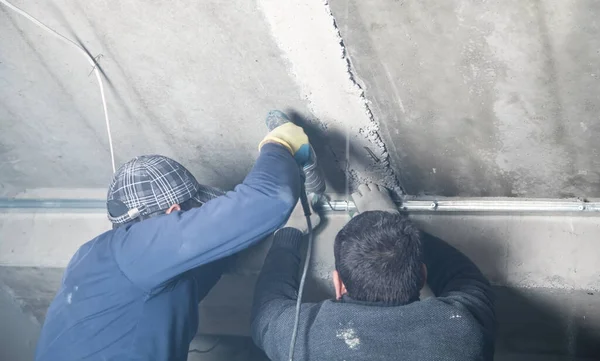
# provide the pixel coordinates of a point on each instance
(52, 203)
(500, 205)
(409, 204)
(477, 205)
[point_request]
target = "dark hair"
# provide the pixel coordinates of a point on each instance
(379, 258)
(185, 206)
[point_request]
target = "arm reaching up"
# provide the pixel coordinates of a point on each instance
(154, 251)
(455, 279)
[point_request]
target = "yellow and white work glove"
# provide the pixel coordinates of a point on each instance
(291, 137)
(371, 197)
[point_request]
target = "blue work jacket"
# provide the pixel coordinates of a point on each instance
(132, 293)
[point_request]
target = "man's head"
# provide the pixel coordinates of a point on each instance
(379, 258)
(151, 185)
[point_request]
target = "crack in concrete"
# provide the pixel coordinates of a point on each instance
(308, 36)
(372, 132)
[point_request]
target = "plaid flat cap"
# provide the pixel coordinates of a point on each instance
(149, 184)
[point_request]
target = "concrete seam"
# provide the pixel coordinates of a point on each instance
(308, 37)
(372, 131)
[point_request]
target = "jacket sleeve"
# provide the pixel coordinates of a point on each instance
(275, 296)
(455, 279)
(154, 251)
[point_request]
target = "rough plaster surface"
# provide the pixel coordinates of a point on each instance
(307, 34)
(460, 98)
(46, 239)
(32, 288)
(548, 321)
(525, 251)
(482, 98)
(63, 193)
(18, 330)
(189, 80)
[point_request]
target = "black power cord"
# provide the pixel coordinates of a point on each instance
(307, 213)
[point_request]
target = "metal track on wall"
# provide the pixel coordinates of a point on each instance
(409, 204)
(480, 205)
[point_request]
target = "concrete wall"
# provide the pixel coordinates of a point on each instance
(189, 80)
(460, 98)
(482, 98)
(19, 330)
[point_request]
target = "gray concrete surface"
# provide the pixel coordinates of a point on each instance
(544, 270)
(460, 98)
(19, 330)
(484, 98)
(188, 80)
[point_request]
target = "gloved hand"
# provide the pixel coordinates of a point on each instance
(298, 219)
(293, 138)
(371, 197)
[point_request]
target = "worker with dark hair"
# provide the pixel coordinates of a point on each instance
(132, 293)
(381, 262)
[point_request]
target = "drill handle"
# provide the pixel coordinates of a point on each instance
(314, 177)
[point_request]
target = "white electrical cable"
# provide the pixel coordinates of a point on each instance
(89, 59)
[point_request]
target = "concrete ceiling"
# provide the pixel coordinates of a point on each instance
(482, 98)
(453, 98)
(191, 81)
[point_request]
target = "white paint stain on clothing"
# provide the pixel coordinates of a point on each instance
(69, 297)
(455, 316)
(348, 335)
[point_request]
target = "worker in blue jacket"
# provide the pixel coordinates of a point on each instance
(132, 293)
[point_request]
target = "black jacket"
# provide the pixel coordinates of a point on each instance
(458, 324)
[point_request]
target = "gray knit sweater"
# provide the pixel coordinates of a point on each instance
(458, 324)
